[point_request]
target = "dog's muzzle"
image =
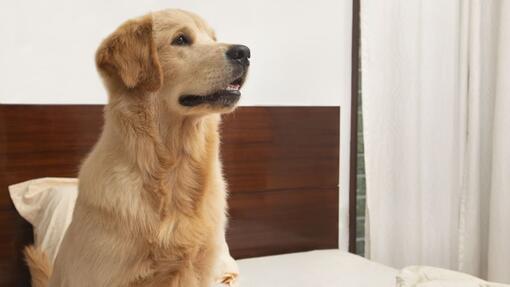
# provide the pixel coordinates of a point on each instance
(229, 96)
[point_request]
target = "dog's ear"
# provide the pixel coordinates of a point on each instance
(129, 56)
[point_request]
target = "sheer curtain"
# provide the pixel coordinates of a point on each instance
(436, 106)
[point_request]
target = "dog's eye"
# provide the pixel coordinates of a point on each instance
(180, 40)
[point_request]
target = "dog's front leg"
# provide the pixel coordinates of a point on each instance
(228, 272)
(206, 265)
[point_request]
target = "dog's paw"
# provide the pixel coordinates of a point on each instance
(229, 279)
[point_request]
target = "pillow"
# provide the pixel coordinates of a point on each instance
(48, 204)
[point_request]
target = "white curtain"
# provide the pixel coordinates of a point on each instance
(436, 108)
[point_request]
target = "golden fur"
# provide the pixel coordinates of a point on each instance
(152, 201)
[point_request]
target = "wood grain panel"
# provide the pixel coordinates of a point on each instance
(285, 147)
(283, 221)
(15, 233)
(44, 141)
(281, 164)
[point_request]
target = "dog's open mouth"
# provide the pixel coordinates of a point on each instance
(223, 98)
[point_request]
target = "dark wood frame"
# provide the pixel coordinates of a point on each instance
(281, 164)
(353, 166)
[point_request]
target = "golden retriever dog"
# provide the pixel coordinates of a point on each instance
(151, 210)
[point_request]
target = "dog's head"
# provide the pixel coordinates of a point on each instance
(174, 55)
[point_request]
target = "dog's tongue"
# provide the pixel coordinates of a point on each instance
(233, 87)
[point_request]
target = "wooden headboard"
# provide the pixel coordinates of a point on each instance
(281, 164)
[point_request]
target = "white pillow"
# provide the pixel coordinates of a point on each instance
(47, 203)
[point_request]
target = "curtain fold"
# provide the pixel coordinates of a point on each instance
(499, 218)
(436, 131)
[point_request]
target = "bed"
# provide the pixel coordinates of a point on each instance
(320, 268)
(281, 164)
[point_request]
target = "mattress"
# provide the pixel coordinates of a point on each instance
(323, 268)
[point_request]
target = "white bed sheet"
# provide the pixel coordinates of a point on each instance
(322, 268)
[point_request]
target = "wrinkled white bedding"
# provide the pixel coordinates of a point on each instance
(424, 276)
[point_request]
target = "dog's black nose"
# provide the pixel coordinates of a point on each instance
(238, 52)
